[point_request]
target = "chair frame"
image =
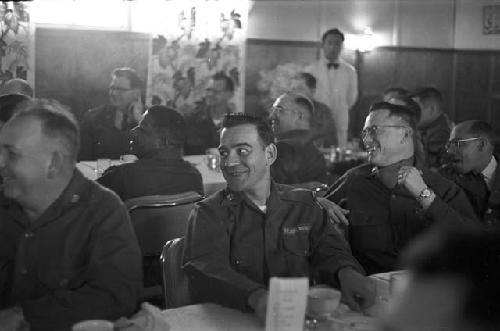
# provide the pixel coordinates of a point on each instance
(159, 201)
(163, 200)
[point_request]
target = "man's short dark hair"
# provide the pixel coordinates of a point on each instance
(403, 112)
(10, 103)
(57, 123)
(263, 127)
(483, 129)
(334, 31)
(428, 94)
(309, 79)
(400, 91)
(472, 255)
(411, 105)
(168, 124)
(130, 74)
(222, 76)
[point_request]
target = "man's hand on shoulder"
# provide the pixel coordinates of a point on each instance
(334, 211)
(357, 290)
(258, 302)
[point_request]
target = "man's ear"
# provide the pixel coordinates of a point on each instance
(56, 164)
(407, 135)
(271, 154)
(482, 144)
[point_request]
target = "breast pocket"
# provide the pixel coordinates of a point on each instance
(297, 244)
(367, 231)
(298, 252)
(56, 277)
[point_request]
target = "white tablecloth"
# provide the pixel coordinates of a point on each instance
(208, 317)
(212, 180)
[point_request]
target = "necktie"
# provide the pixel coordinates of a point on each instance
(485, 180)
(335, 65)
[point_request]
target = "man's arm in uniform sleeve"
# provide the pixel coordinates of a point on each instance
(337, 192)
(331, 252)
(451, 205)
(108, 287)
(206, 262)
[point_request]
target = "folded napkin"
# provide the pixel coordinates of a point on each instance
(148, 318)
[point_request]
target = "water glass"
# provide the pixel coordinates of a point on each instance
(213, 159)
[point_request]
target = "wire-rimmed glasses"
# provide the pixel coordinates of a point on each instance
(456, 143)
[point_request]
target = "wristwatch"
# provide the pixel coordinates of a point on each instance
(425, 194)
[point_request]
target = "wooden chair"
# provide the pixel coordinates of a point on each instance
(157, 219)
(175, 281)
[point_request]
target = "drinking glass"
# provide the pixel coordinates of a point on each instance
(213, 159)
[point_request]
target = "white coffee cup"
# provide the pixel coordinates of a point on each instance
(93, 325)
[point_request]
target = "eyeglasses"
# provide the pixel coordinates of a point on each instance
(373, 131)
(456, 143)
(118, 89)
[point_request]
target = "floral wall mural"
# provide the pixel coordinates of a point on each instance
(14, 40)
(198, 39)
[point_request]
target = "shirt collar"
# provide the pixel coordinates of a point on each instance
(232, 198)
(388, 175)
(489, 171)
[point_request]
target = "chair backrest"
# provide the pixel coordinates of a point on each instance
(175, 281)
(159, 218)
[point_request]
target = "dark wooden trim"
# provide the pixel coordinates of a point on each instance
(453, 105)
(305, 43)
(443, 50)
(275, 42)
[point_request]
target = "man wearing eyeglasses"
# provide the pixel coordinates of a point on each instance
(299, 161)
(393, 198)
(204, 121)
(474, 167)
(105, 129)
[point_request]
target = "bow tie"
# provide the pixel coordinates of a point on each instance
(335, 65)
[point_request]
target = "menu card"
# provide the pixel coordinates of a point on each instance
(286, 306)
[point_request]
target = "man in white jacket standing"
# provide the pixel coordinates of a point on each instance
(337, 82)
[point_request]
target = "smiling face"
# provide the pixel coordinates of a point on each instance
(25, 158)
(467, 156)
(386, 138)
(245, 161)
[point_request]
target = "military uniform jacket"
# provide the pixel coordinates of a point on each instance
(80, 260)
(99, 136)
(232, 247)
(383, 221)
(486, 203)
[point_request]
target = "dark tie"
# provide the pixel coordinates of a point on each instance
(335, 65)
